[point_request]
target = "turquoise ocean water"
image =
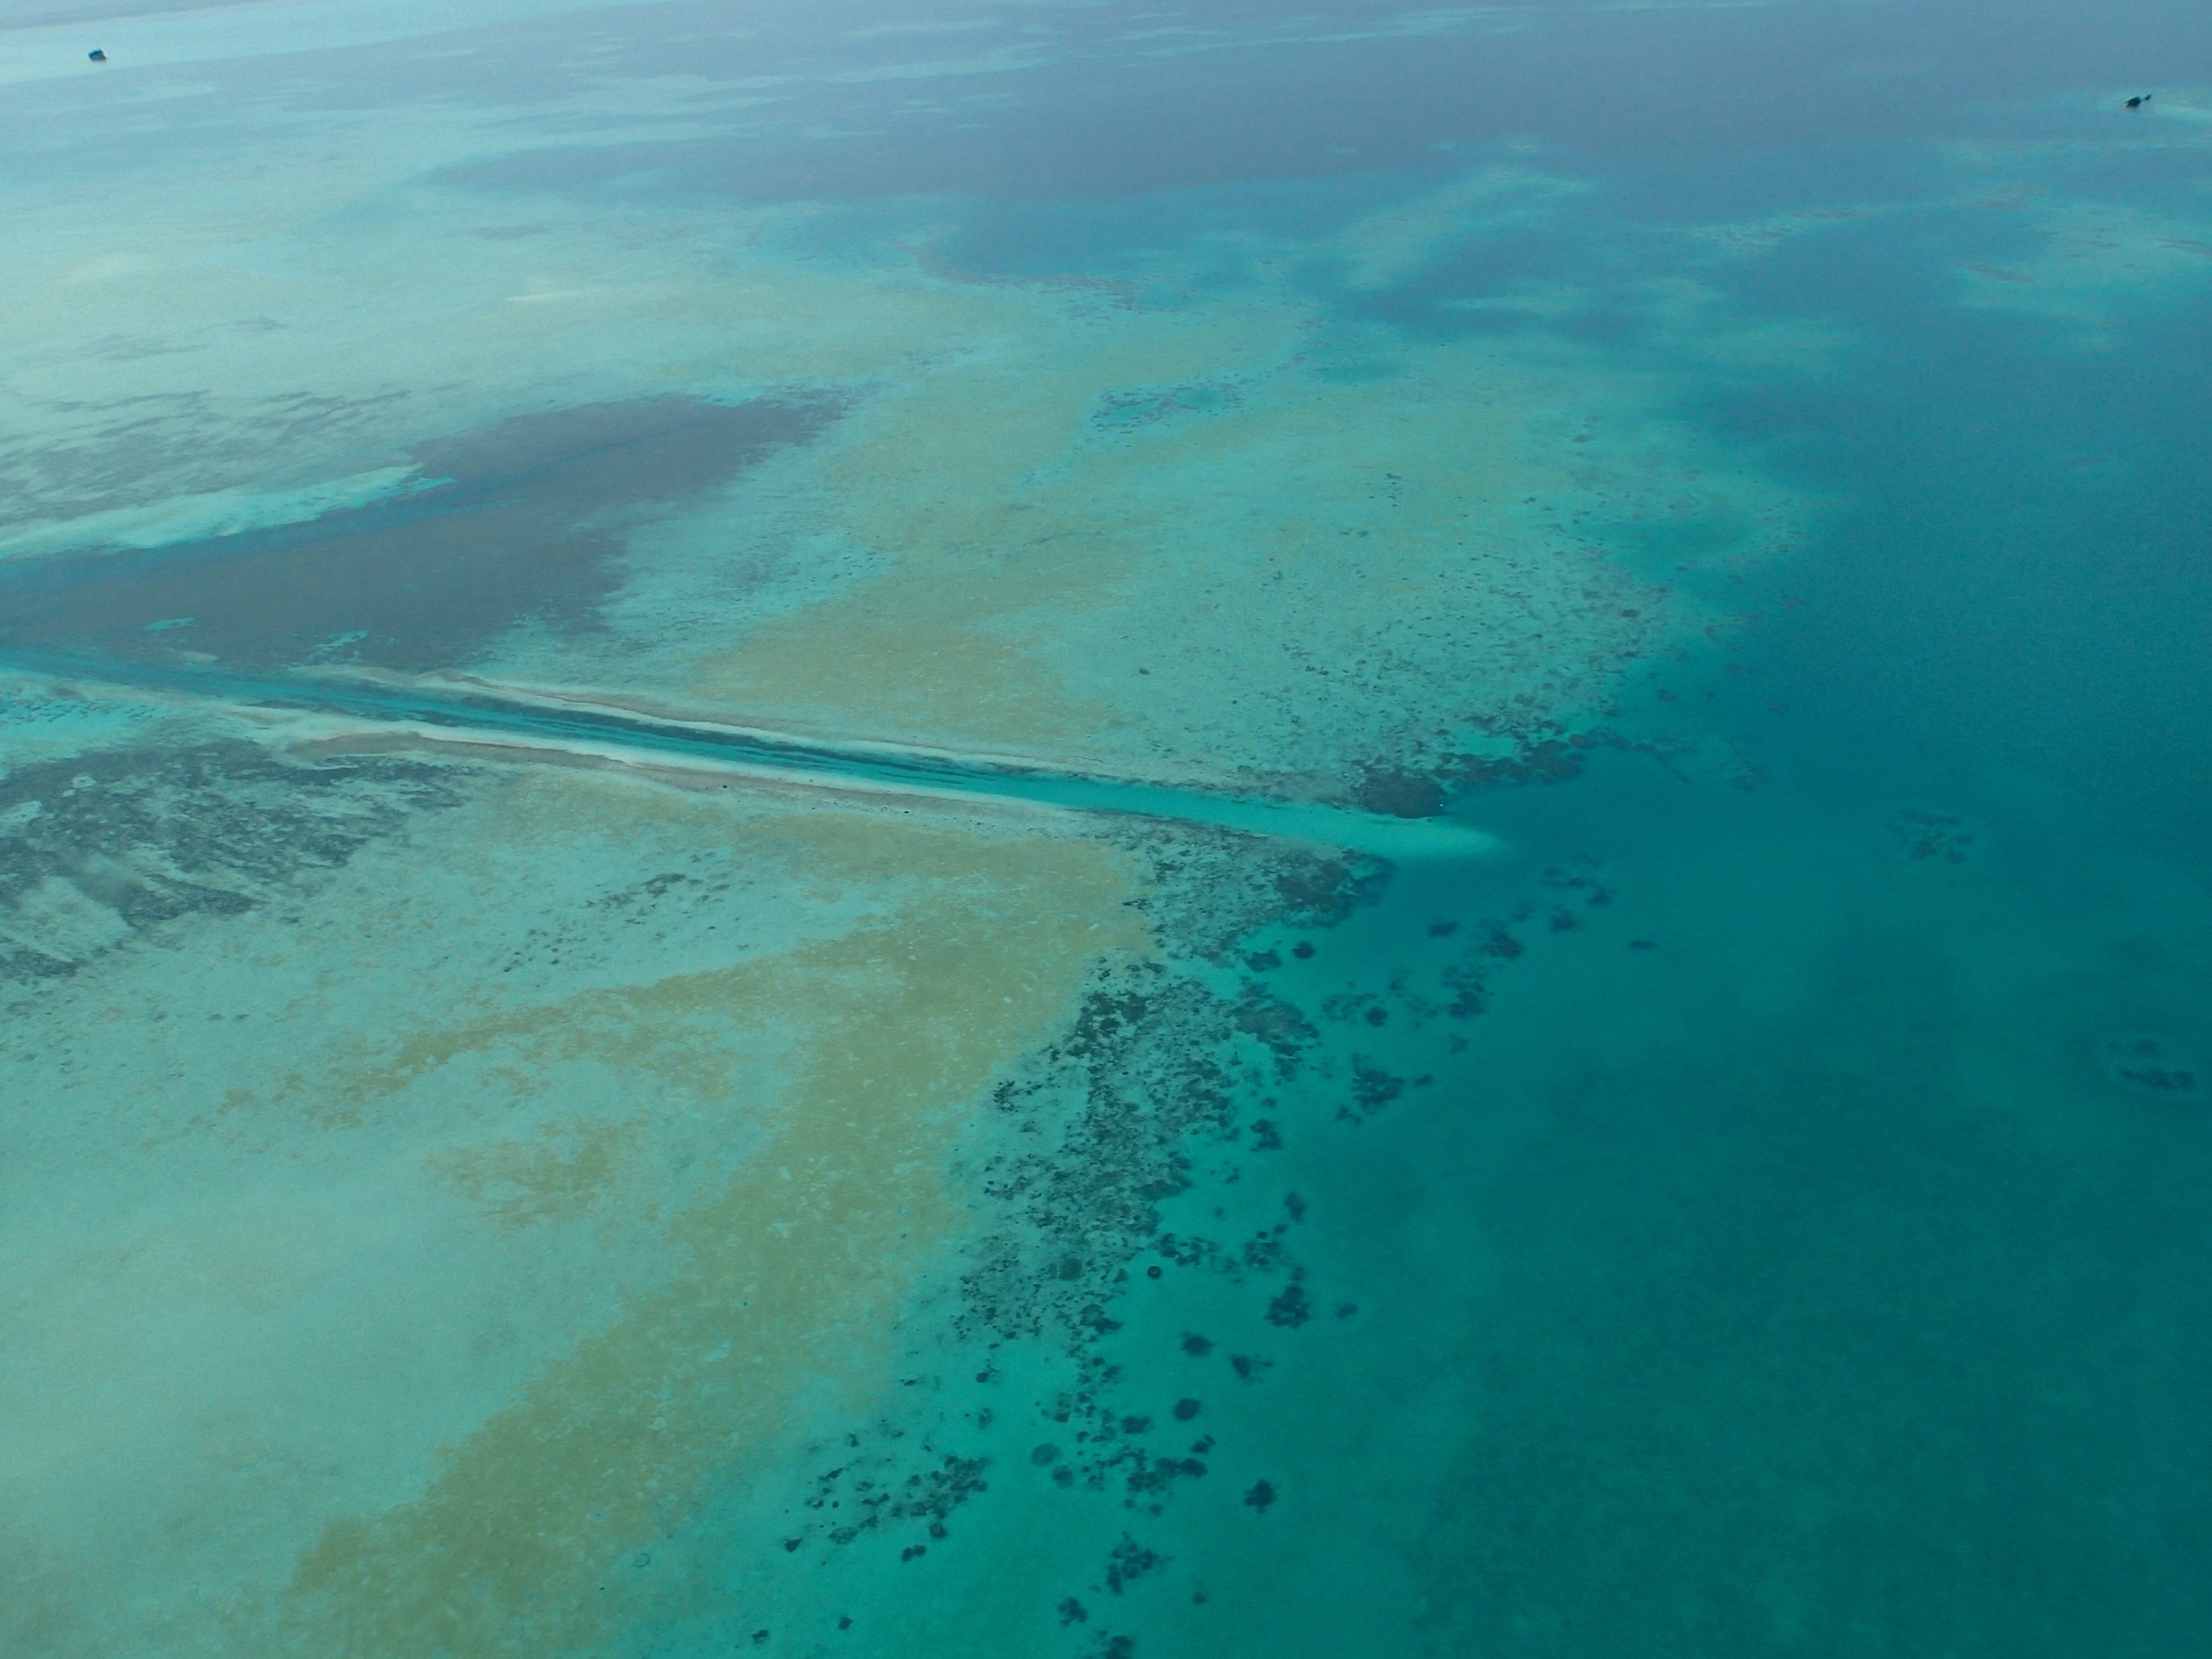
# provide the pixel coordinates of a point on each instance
(1048, 829)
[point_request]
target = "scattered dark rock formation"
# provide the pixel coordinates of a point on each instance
(212, 827)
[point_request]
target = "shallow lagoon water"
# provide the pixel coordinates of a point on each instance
(1466, 911)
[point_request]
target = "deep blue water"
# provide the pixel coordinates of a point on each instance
(1828, 1285)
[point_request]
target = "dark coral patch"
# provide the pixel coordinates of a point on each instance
(1398, 793)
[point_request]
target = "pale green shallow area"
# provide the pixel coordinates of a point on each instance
(465, 1201)
(571, 1091)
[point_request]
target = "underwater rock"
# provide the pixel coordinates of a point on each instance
(1129, 1561)
(1398, 795)
(1291, 1309)
(2143, 1061)
(1543, 760)
(1932, 836)
(1372, 1089)
(1281, 1027)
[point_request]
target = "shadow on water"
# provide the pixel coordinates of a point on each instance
(524, 520)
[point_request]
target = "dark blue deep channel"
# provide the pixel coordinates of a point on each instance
(1817, 1229)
